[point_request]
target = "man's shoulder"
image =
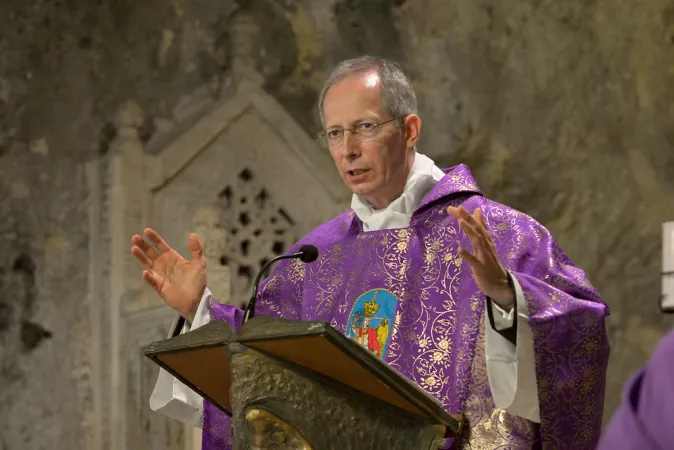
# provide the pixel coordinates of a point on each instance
(491, 209)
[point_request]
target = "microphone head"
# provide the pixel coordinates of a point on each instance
(309, 253)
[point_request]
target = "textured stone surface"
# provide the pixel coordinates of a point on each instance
(562, 109)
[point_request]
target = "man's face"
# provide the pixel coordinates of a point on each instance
(374, 168)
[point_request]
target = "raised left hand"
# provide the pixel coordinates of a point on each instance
(490, 276)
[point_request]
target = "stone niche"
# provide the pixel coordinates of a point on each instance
(246, 178)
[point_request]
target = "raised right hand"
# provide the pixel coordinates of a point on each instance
(178, 281)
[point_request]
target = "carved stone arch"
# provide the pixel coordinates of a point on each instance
(272, 180)
(247, 155)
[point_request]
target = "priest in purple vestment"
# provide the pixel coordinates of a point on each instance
(472, 300)
(645, 420)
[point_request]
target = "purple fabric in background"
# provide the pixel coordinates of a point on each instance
(645, 419)
(415, 280)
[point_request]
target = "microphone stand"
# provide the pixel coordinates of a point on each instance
(250, 309)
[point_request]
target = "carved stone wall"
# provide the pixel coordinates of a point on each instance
(259, 228)
(209, 179)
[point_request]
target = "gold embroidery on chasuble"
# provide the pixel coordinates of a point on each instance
(440, 349)
(489, 427)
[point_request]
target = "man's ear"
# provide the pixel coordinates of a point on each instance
(412, 127)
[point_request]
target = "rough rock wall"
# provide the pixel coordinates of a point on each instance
(562, 110)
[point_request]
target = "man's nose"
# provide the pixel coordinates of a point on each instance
(351, 145)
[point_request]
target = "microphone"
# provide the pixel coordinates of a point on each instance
(307, 254)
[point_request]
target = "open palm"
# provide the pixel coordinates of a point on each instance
(490, 275)
(178, 281)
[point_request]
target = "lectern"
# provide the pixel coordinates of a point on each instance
(303, 385)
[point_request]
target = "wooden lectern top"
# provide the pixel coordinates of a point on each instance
(200, 359)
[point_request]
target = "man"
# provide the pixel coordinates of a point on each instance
(645, 418)
(511, 335)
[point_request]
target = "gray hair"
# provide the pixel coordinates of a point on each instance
(397, 95)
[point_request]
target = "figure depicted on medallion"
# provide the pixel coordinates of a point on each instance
(213, 236)
(370, 318)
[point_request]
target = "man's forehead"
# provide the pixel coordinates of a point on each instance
(353, 98)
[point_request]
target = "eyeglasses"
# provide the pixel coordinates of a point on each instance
(334, 137)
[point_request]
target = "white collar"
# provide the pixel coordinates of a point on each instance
(421, 179)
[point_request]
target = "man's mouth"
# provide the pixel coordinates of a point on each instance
(356, 172)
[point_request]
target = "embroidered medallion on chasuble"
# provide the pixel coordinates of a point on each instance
(371, 320)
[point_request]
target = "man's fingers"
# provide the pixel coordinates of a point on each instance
(157, 240)
(470, 228)
(142, 244)
(487, 247)
(473, 235)
(461, 213)
(488, 251)
(152, 280)
(477, 220)
(488, 244)
(475, 226)
(480, 217)
(195, 247)
(472, 259)
(479, 224)
(141, 257)
(474, 220)
(469, 225)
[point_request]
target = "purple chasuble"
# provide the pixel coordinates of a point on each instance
(645, 420)
(407, 296)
